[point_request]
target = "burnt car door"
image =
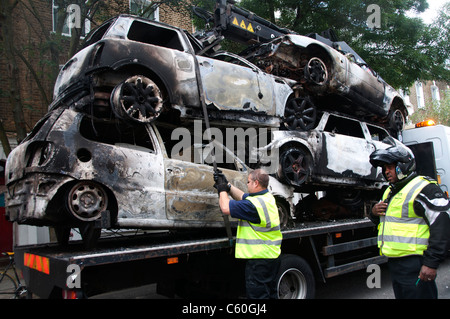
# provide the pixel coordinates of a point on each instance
(366, 84)
(189, 182)
(232, 83)
(345, 152)
(127, 160)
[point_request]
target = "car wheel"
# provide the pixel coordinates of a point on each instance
(138, 98)
(295, 166)
(86, 201)
(316, 71)
(396, 124)
(300, 114)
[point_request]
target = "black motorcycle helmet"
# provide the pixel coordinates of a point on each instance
(399, 154)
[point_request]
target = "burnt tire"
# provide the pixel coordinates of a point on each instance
(295, 166)
(283, 211)
(138, 99)
(300, 114)
(295, 279)
(396, 123)
(62, 234)
(90, 234)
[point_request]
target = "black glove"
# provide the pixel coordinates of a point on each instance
(221, 182)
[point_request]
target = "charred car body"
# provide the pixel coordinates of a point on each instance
(73, 167)
(102, 152)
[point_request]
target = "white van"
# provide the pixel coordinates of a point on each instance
(428, 141)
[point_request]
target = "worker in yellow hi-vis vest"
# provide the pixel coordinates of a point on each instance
(258, 238)
(413, 224)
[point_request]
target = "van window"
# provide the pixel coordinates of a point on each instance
(344, 126)
(157, 35)
(117, 132)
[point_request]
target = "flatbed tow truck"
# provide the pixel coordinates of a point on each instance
(196, 264)
(201, 263)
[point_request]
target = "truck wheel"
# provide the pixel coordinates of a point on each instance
(295, 279)
(138, 98)
(300, 114)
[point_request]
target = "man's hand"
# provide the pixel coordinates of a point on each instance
(379, 209)
(427, 273)
(221, 182)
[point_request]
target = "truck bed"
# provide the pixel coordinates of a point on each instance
(168, 244)
(149, 251)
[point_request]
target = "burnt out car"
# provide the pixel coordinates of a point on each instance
(334, 77)
(333, 154)
(137, 70)
(77, 171)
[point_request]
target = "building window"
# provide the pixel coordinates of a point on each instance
(144, 8)
(419, 94)
(435, 92)
(73, 19)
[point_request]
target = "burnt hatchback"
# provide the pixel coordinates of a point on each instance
(76, 171)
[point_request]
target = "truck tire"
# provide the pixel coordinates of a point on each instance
(295, 279)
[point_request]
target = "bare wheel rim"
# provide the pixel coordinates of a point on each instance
(316, 71)
(87, 200)
(292, 285)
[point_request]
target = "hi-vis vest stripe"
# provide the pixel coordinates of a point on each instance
(260, 240)
(401, 231)
(36, 262)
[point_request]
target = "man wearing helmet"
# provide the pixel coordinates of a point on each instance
(413, 224)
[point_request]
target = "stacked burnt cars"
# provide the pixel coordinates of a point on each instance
(123, 145)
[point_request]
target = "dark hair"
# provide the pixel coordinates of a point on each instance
(261, 176)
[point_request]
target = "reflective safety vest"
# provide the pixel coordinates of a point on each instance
(401, 232)
(261, 240)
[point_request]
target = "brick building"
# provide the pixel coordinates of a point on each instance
(424, 93)
(40, 50)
